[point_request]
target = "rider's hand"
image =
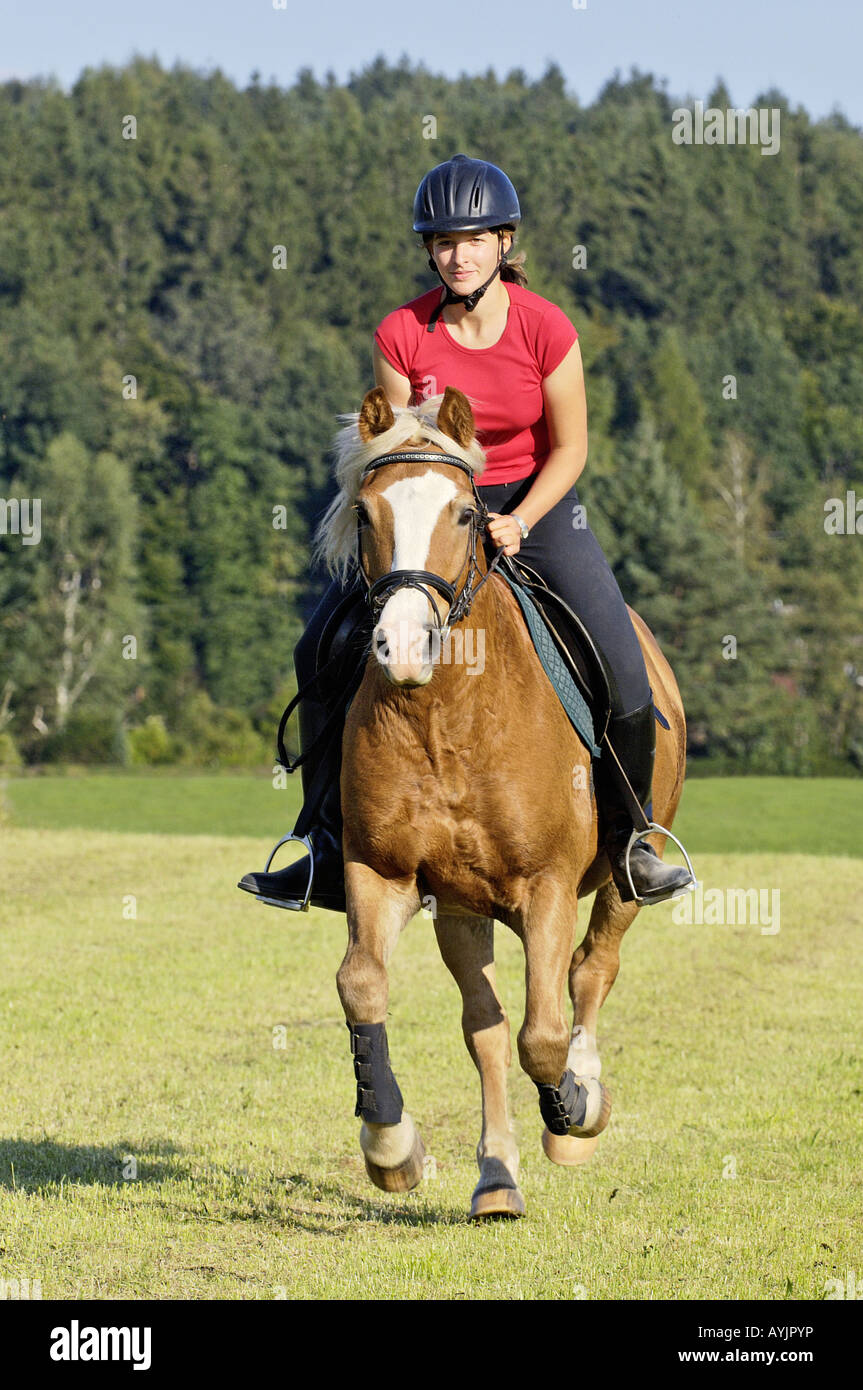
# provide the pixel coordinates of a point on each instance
(504, 531)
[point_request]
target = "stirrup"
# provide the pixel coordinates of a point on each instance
(633, 841)
(281, 902)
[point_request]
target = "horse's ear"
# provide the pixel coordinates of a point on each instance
(455, 417)
(376, 414)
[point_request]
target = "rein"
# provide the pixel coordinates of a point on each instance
(379, 592)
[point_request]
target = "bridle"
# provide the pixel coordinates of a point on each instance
(379, 592)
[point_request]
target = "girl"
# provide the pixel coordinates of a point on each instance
(517, 359)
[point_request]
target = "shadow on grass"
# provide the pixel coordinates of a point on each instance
(409, 1209)
(29, 1164)
(301, 1203)
(297, 1201)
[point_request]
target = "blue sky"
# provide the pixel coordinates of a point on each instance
(811, 52)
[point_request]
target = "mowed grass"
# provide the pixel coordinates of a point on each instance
(169, 803)
(734, 814)
(176, 1109)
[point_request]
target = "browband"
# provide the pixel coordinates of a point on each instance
(417, 456)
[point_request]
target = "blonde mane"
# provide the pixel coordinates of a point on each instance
(336, 535)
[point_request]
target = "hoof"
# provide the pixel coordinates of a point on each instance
(402, 1178)
(567, 1149)
(496, 1202)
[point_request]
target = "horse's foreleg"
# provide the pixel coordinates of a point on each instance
(467, 947)
(569, 1106)
(378, 909)
(592, 972)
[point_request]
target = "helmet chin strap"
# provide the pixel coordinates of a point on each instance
(469, 301)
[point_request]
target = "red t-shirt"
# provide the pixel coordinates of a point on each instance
(503, 382)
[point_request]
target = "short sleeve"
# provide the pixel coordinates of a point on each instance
(556, 337)
(393, 340)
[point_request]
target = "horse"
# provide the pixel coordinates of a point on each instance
(468, 789)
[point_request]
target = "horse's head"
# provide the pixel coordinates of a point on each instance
(418, 521)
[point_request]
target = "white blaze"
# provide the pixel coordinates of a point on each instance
(416, 504)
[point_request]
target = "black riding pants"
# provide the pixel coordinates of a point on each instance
(569, 558)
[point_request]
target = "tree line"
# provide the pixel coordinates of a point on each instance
(190, 275)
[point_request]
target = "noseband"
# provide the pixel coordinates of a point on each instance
(459, 604)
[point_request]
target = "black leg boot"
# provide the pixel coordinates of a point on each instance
(633, 738)
(287, 887)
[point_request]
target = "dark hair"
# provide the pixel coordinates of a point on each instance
(513, 269)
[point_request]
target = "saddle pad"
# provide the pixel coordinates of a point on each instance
(564, 686)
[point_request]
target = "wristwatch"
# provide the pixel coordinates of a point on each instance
(525, 530)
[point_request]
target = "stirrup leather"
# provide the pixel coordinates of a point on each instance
(633, 841)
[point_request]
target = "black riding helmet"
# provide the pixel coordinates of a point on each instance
(465, 195)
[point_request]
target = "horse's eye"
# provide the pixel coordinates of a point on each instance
(362, 514)
(466, 516)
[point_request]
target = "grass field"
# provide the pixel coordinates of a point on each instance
(735, 814)
(157, 1140)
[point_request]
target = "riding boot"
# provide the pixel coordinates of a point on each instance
(287, 887)
(633, 738)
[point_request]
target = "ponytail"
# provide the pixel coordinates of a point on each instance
(514, 268)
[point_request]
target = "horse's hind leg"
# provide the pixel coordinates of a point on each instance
(378, 909)
(467, 947)
(592, 972)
